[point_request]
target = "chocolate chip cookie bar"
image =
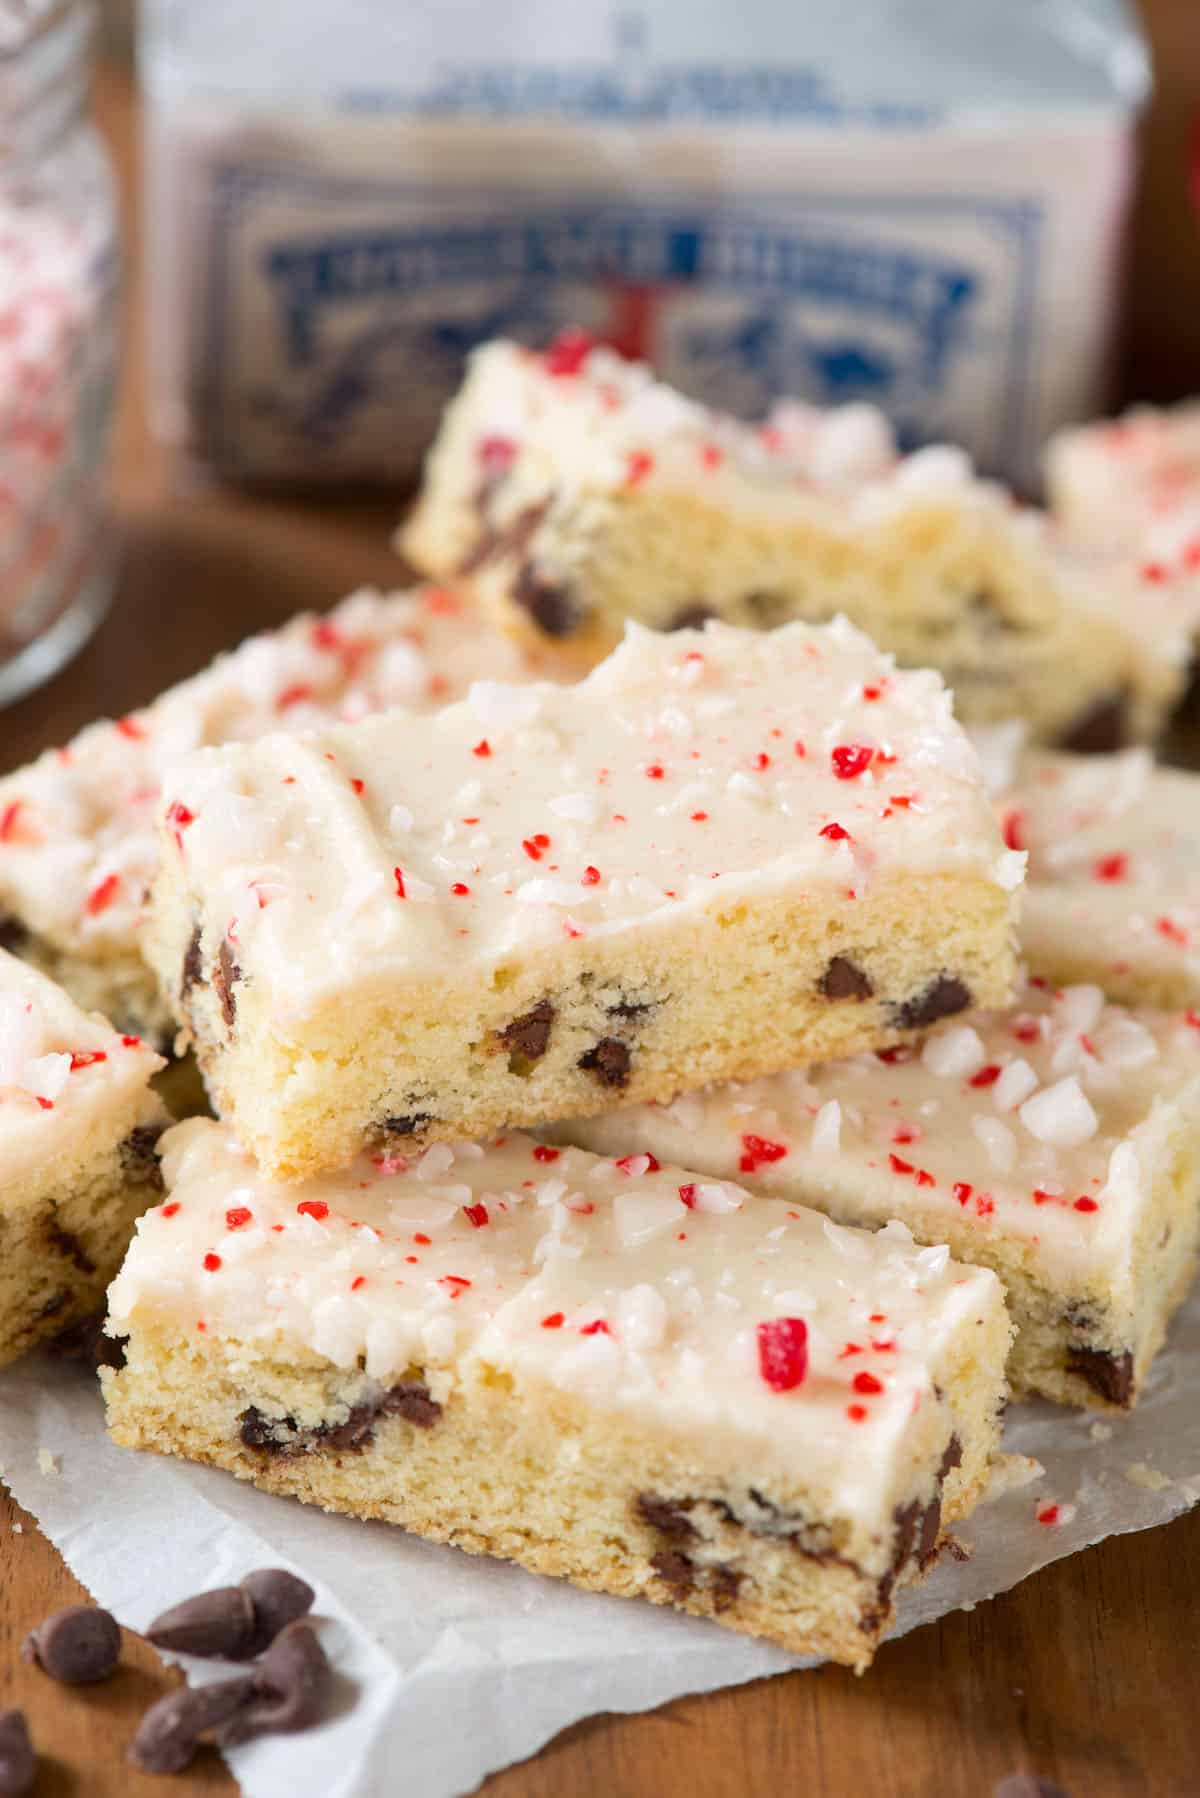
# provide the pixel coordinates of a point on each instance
(615, 1372)
(720, 855)
(1112, 891)
(574, 491)
(78, 1127)
(1133, 481)
(1057, 1143)
(78, 847)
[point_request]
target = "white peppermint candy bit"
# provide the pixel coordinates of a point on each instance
(576, 808)
(642, 1318)
(999, 1143)
(640, 1218)
(1014, 1086)
(500, 707)
(827, 1129)
(437, 1160)
(955, 1054)
(1060, 1114)
(46, 1075)
(716, 1197)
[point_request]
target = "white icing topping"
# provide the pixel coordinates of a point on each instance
(1052, 1142)
(62, 1072)
(616, 1299)
(857, 773)
(78, 847)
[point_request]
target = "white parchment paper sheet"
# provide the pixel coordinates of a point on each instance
(451, 1667)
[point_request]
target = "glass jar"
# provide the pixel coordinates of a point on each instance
(59, 262)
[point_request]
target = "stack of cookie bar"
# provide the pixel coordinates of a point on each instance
(632, 1115)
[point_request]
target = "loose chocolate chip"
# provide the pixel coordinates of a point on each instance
(77, 1646)
(608, 1061)
(674, 1569)
(63, 1243)
(350, 1437)
(1101, 729)
(691, 617)
(217, 1625)
(278, 1598)
(18, 1762)
(1027, 1785)
(169, 1733)
(291, 1688)
(139, 1157)
(528, 1037)
(844, 979)
(13, 937)
(940, 999)
(193, 966)
(405, 1126)
(225, 977)
(410, 1400)
(633, 1011)
(725, 1585)
(662, 1514)
(1108, 1374)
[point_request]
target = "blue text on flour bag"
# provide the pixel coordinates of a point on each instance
(760, 205)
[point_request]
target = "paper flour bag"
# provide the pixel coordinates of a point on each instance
(913, 202)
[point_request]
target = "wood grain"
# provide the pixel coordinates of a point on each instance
(1084, 1674)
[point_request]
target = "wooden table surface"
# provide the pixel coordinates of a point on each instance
(1084, 1674)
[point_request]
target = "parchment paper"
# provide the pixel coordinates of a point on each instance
(451, 1667)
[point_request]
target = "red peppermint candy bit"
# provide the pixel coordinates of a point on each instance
(86, 1058)
(688, 1195)
(759, 1149)
(900, 1167)
(925, 1178)
(316, 1208)
(835, 833)
(987, 1076)
(359, 786)
(1012, 828)
(883, 1348)
(46, 1104)
(211, 1263)
(1086, 1204)
(590, 877)
(962, 1190)
(8, 820)
(762, 760)
(1111, 867)
(1027, 1030)
(783, 1352)
(1042, 1197)
(476, 1216)
(856, 1413)
(179, 817)
(711, 455)
(495, 455)
(421, 1238)
(482, 748)
(1047, 1514)
(798, 750)
(1155, 572)
(656, 771)
(129, 727)
(597, 1327)
(542, 1153)
(358, 1282)
(102, 895)
(866, 1382)
(985, 1205)
(457, 1284)
(699, 817)
(1192, 1018)
(459, 890)
(237, 1217)
(850, 760)
(897, 1052)
(875, 691)
(851, 1348)
(568, 353)
(296, 694)
(904, 1133)
(554, 1321)
(171, 1209)
(1173, 932)
(638, 464)
(399, 877)
(535, 845)
(625, 1163)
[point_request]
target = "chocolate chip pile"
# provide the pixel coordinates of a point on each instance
(261, 1620)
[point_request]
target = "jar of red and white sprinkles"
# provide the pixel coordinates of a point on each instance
(58, 342)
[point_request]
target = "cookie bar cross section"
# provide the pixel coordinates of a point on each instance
(614, 1372)
(719, 855)
(78, 839)
(78, 1127)
(1057, 1143)
(571, 490)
